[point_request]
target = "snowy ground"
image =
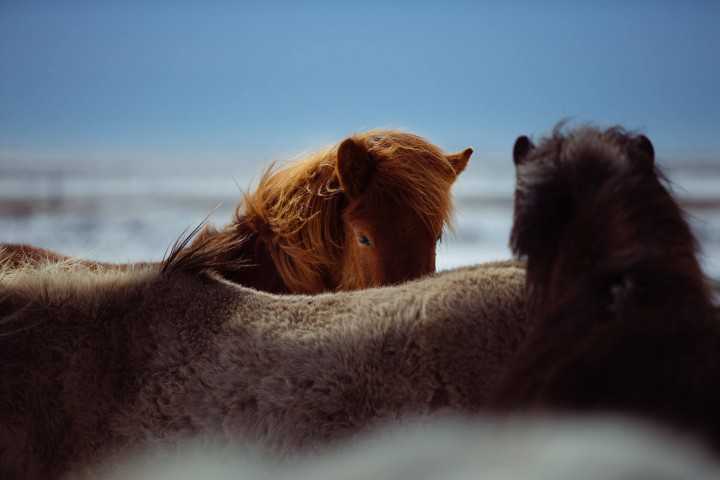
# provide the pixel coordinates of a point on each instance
(130, 218)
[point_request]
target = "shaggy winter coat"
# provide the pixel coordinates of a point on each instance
(622, 313)
(92, 362)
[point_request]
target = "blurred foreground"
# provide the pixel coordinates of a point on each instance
(591, 448)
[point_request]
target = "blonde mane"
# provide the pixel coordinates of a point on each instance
(296, 209)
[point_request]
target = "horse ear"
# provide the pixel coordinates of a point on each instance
(460, 160)
(355, 167)
(523, 146)
(644, 152)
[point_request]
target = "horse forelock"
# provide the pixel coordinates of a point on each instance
(413, 172)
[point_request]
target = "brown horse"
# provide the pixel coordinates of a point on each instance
(363, 213)
(622, 314)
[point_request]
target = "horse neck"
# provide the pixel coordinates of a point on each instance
(298, 263)
(247, 252)
(259, 270)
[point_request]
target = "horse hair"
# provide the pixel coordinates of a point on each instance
(622, 315)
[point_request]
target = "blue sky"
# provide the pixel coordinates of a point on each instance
(161, 82)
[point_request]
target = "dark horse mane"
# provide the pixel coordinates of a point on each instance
(622, 313)
(593, 200)
(202, 250)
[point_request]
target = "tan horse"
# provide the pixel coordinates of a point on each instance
(95, 361)
(363, 213)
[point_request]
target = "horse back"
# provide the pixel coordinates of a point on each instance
(63, 370)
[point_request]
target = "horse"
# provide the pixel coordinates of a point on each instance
(365, 212)
(95, 362)
(621, 311)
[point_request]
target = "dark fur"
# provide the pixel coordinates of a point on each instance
(622, 312)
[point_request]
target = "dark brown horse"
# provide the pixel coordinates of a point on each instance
(622, 315)
(363, 213)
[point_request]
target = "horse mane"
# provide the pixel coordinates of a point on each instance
(649, 227)
(295, 209)
(635, 206)
(620, 306)
(203, 249)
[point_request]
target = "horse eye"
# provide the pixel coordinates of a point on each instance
(364, 240)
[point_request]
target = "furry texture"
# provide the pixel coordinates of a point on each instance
(597, 448)
(20, 255)
(93, 361)
(622, 312)
(299, 231)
